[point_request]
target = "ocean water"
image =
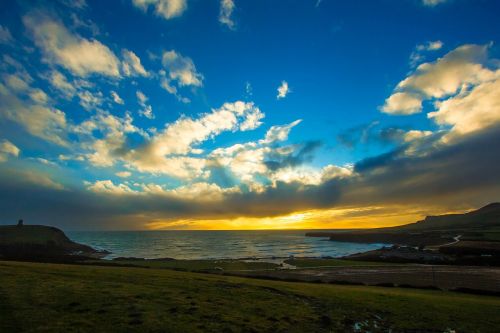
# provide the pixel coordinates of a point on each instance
(215, 244)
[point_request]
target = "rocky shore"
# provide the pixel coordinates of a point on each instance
(42, 243)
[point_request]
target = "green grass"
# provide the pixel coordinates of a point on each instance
(195, 265)
(72, 298)
(312, 263)
(30, 234)
(493, 236)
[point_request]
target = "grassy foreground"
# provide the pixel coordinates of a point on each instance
(71, 298)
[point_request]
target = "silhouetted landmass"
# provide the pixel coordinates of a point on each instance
(479, 226)
(41, 243)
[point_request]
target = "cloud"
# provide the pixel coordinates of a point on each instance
(430, 46)
(225, 12)
(456, 71)
(181, 69)
(418, 56)
(432, 3)
(37, 119)
(90, 100)
(403, 103)
(167, 9)
(76, 4)
(116, 98)
(248, 90)
(8, 148)
(431, 182)
(180, 72)
(200, 191)
(107, 186)
(79, 55)
(131, 64)
(166, 84)
(60, 82)
(124, 174)
(283, 90)
(5, 35)
(166, 152)
(147, 110)
(280, 132)
(111, 132)
(471, 110)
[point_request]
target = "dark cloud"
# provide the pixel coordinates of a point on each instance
(351, 137)
(302, 153)
(446, 176)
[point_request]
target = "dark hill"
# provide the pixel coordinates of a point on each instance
(485, 217)
(481, 224)
(38, 242)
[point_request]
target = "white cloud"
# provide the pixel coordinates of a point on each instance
(112, 137)
(8, 148)
(472, 109)
(181, 69)
(252, 121)
(131, 64)
(79, 55)
(309, 175)
(225, 12)
(17, 82)
(60, 82)
(78, 23)
(283, 90)
(418, 56)
(166, 152)
(430, 46)
(457, 70)
(38, 119)
(279, 133)
(199, 191)
(166, 8)
(76, 4)
(413, 135)
(432, 3)
(147, 110)
(180, 72)
(464, 87)
(38, 96)
(165, 83)
(202, 191)
(248, 89)
(107, 186)
(124, 174)
(402, 103)
(116, 98)
(5, 36)
(90, 100)
(245, 161)
(141, 97)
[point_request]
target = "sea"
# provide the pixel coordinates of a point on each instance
(177, 244)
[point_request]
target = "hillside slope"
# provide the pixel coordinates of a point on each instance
(485, 217)
(38, 241)
(68, 298)
(480, 225)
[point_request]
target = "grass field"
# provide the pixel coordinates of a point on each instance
(314, 262)
(72, 298)
(193, 265)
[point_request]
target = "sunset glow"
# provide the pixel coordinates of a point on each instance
(136, 115)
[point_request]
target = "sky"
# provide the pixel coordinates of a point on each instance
(239, 114)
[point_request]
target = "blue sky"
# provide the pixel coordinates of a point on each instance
(173, 108)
